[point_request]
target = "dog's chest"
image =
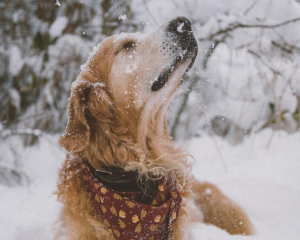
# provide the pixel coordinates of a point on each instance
(125, 216)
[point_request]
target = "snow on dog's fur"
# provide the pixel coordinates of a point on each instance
(117, 114)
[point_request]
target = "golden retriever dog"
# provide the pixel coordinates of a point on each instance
(124, 178)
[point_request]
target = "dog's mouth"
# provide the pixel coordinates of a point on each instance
(179, 32)
(164, 76)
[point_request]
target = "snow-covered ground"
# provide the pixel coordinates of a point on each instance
(263, 176)
(264, 181)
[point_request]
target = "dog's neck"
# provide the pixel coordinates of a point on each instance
(142, 143)
(117, 146)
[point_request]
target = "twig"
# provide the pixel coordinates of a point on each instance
(11, 175)
(220, 153)
(251, 7)
(113, 8)
(193, 83)
(28, 132)
(183, 105)
(286, 47)
(242, 25)
(260, 58)
(28, 117)
(281, 47)
(270, 139)
(279, 116)
(149, 12)
(212, 49)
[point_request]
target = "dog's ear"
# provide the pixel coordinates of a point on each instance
(77, 133)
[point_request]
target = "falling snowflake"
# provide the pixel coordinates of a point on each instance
(123, 17)
(57, 3)
(180, 27)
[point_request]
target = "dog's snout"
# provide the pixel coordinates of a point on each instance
(179, 33)
(180, 26)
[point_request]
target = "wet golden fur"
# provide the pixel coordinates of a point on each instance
(115, 120)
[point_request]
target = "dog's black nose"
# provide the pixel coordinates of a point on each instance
(180, 26)
(179, 31)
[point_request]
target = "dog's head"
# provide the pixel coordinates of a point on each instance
(128, 82)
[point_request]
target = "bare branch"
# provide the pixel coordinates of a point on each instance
(11, 176)
(282, 47)
(183, 105)
(238, 25)
(286, 47)
(255, 54)
(251, 7)
(220, 153)
(212, 49)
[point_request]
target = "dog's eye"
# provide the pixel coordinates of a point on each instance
(128, 45)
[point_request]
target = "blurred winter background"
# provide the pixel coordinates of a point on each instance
(238, 113)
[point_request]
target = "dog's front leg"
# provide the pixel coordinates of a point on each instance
(219, 210)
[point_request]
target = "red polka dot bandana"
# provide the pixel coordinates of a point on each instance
(127, 218)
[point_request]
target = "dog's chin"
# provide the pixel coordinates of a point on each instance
(175, 78)
(175, 68)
